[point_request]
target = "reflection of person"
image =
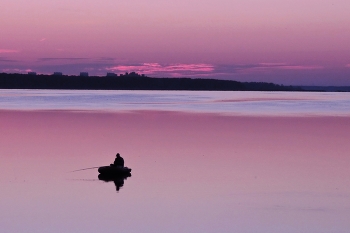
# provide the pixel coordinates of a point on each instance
(119, 161)
(118, 183)
(118, 180)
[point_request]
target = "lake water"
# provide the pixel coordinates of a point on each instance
(229, 103)
(201, 161)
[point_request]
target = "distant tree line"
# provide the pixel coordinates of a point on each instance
(132, 82)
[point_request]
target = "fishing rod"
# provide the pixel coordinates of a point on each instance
(84, 169)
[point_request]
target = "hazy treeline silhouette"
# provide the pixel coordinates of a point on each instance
(131, 82)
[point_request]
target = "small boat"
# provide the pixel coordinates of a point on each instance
(114, 170)
(109, 178)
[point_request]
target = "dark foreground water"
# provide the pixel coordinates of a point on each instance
(195, 169)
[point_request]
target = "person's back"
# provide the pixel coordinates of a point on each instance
(119, 161)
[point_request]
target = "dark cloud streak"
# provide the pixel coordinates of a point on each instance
(62, 59)
(4, 59)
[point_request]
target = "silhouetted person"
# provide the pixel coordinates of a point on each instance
(119, 161)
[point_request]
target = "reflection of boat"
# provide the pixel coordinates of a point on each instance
(117, 174)
(118, 179)
(114, 170)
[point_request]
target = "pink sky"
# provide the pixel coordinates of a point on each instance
(234, 38)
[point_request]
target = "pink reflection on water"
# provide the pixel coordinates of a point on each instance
(224, 172)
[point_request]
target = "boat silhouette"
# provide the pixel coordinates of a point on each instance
(115, 174)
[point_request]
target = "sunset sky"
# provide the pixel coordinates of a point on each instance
(299, 42)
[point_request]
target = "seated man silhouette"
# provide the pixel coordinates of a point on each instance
(119, 161)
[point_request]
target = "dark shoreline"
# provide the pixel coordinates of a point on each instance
(138, 82)
(131, 82)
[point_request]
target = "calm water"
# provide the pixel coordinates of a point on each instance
(233, 103)
(202, 161)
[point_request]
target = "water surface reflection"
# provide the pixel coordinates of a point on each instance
(191, 173)
(118, 180)
(227, 102)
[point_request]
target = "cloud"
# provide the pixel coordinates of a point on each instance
(348, 65)
(110, 59)
(298, 67)
(42, 39)
(172, 70)
(9, 51)
(282, 66)
(15, 70)
(4, 59)
(272, 64)
(62, 59)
